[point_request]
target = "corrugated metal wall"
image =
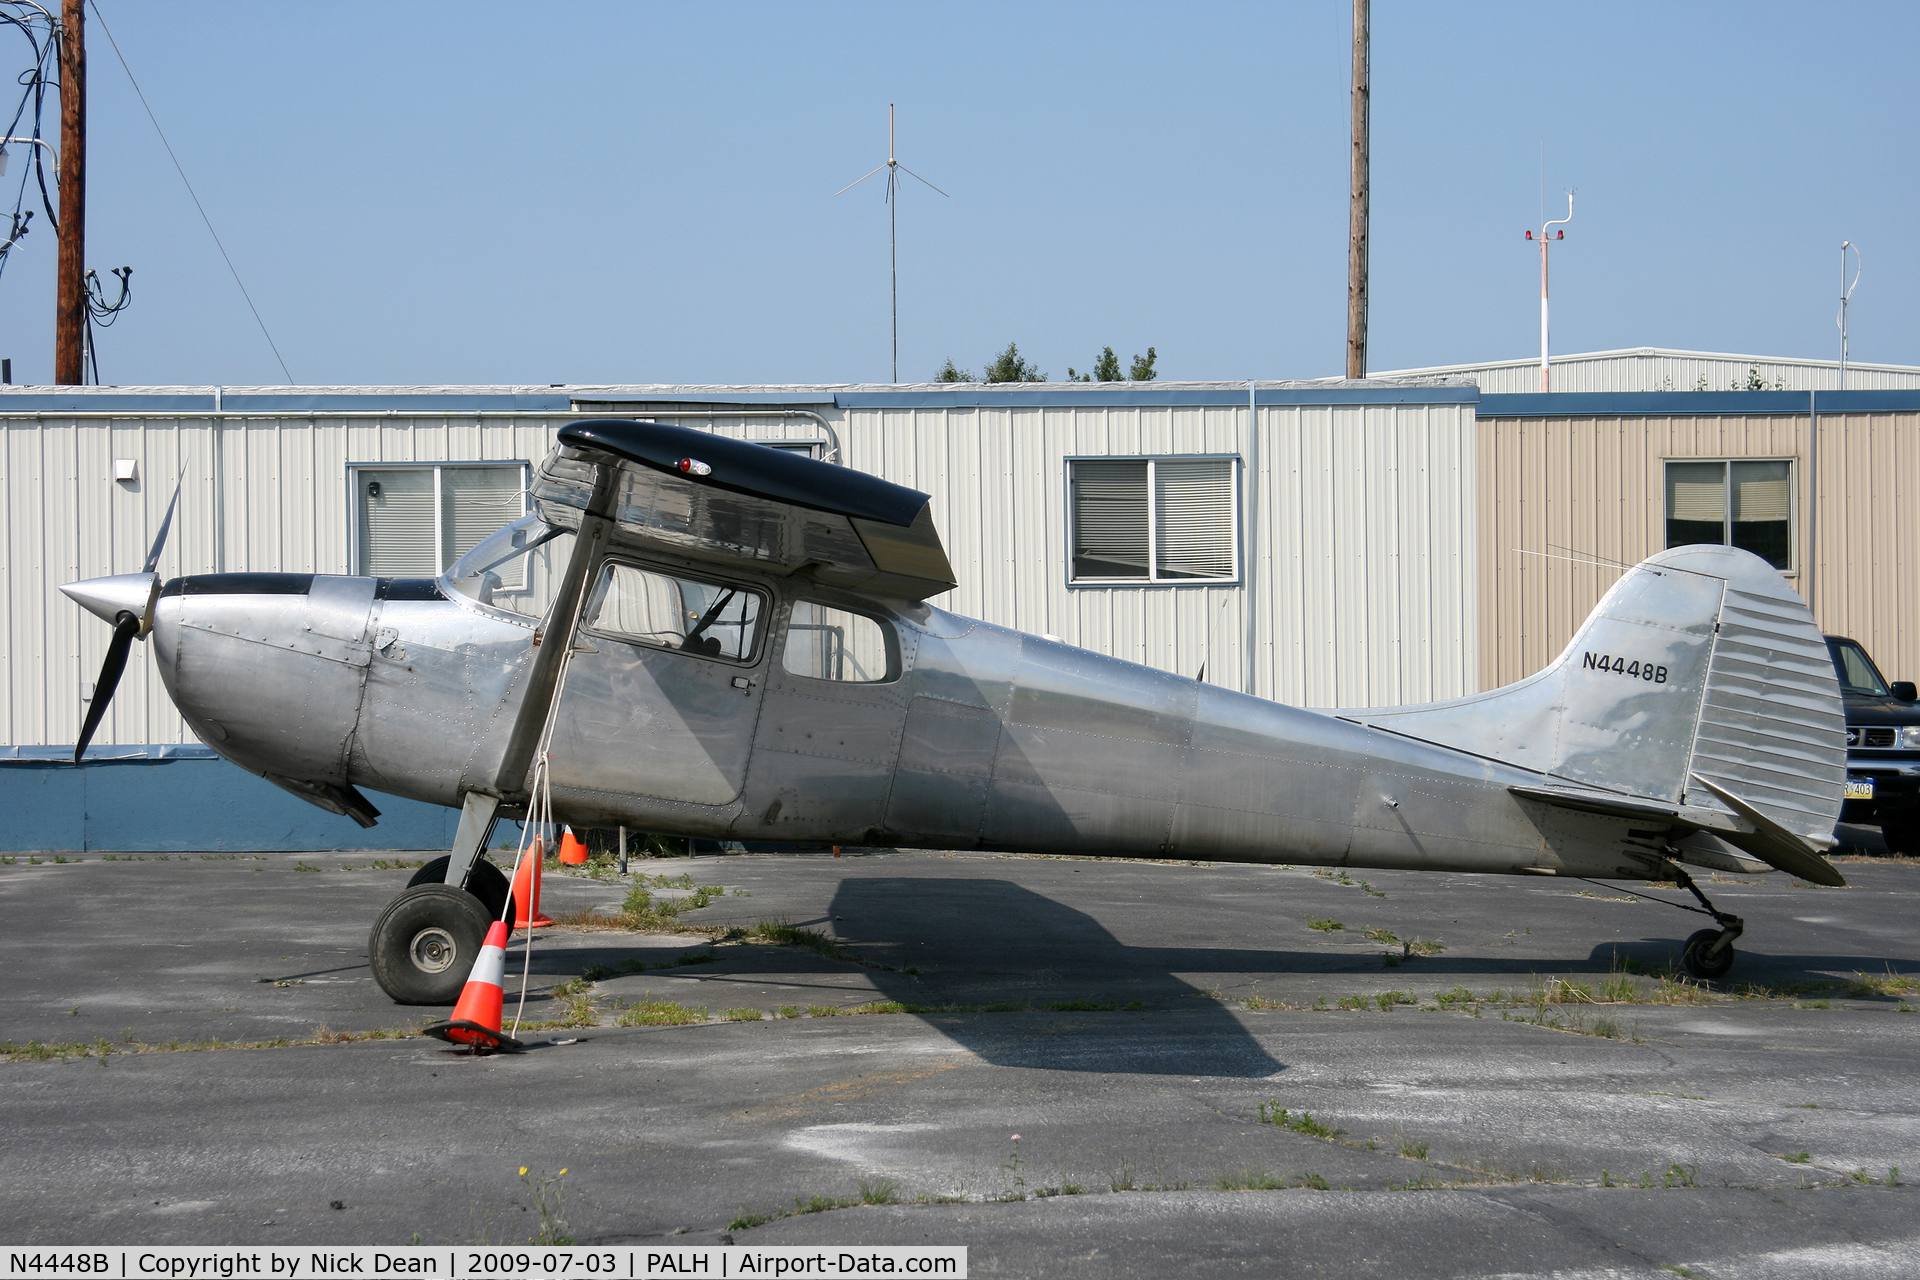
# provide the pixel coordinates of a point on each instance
(1365, 562)
(1651, 369)
(1560, 492)
(1364, 557)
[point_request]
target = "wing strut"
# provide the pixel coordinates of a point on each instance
(543, 680)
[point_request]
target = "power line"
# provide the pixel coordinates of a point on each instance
(190, 191)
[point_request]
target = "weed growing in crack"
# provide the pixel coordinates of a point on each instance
(878, 1191)
(1271, 1112)
(1683, 1175)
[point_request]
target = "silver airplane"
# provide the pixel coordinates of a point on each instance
(704, 637)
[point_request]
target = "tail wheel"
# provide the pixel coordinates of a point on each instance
(485, 882)
(1701, 960)
(425, 942)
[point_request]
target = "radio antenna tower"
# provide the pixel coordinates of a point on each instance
(1846, 296)
(1544, 239)
(894, 169)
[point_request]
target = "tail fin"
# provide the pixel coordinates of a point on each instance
(1700, 680)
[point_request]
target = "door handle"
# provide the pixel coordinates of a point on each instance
(742, 683)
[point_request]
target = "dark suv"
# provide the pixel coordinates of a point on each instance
(1883, 747)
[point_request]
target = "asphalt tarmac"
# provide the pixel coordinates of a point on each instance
(1111, 1069)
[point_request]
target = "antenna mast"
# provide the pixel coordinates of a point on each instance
(1544, 383)
(894, 169)
(1846, 293)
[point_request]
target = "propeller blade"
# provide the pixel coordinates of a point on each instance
(153, 556)
(123, 633)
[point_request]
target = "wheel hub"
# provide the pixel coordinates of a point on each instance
(433, 950)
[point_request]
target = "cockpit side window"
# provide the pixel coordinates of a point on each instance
(825, 643)
(648, 606)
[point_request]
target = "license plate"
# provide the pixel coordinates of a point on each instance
(1859, 788)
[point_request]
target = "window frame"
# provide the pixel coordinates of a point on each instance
(1235, 486)
(769, 601)
(1792, 567)
(356, 553)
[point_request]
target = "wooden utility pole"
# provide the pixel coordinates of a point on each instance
(70, 306)
(1357, 217)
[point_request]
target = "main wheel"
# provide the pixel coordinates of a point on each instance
(1902, 834)
(1697, 961)
(425, 942)
(484, 881)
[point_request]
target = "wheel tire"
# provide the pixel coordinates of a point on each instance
(1694, 955)
(424, 944)
(1902, 834)
(484, 881)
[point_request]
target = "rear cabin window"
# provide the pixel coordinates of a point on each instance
(710, 619)
(825, 643)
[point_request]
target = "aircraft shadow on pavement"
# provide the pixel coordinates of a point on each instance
(993, 942)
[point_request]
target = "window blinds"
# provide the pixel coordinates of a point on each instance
(474, 501)
(396, 523)
(1152, 519)
(1110, 518)
(1194, 517)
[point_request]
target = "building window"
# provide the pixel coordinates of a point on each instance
(1741, 504)
(415, 521)
(1153, 519)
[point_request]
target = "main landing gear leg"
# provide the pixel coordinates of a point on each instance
(1709, 953)
(425, 941)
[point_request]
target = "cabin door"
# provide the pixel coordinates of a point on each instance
(665, 688)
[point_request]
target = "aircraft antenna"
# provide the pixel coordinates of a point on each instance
(894, 169)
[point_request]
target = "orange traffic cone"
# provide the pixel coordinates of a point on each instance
(526, 889)
(572, 851)
(476, 1018)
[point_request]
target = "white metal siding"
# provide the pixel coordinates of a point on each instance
(1656, 369)
(1363, 569)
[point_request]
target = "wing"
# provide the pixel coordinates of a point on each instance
(732, 501)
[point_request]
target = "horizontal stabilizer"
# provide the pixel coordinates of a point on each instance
(1772, 843)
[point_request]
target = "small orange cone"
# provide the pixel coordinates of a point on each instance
(572, 851)
(526, 889)
(476, 1018)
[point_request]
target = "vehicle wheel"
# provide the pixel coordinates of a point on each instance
(1695, 958)
(1902, 834)
(424, 944)
(485, 882)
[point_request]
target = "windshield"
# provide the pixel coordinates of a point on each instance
(1856, 670)
(515, 568)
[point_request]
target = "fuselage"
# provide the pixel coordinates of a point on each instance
(974, 736)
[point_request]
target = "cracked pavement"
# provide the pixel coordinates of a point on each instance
(1159, 1069)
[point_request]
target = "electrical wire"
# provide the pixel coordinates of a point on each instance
(42, 31)
(94, 5)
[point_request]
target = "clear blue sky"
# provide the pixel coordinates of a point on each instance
(599, 192)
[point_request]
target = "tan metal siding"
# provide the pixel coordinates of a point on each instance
(1563, 493)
